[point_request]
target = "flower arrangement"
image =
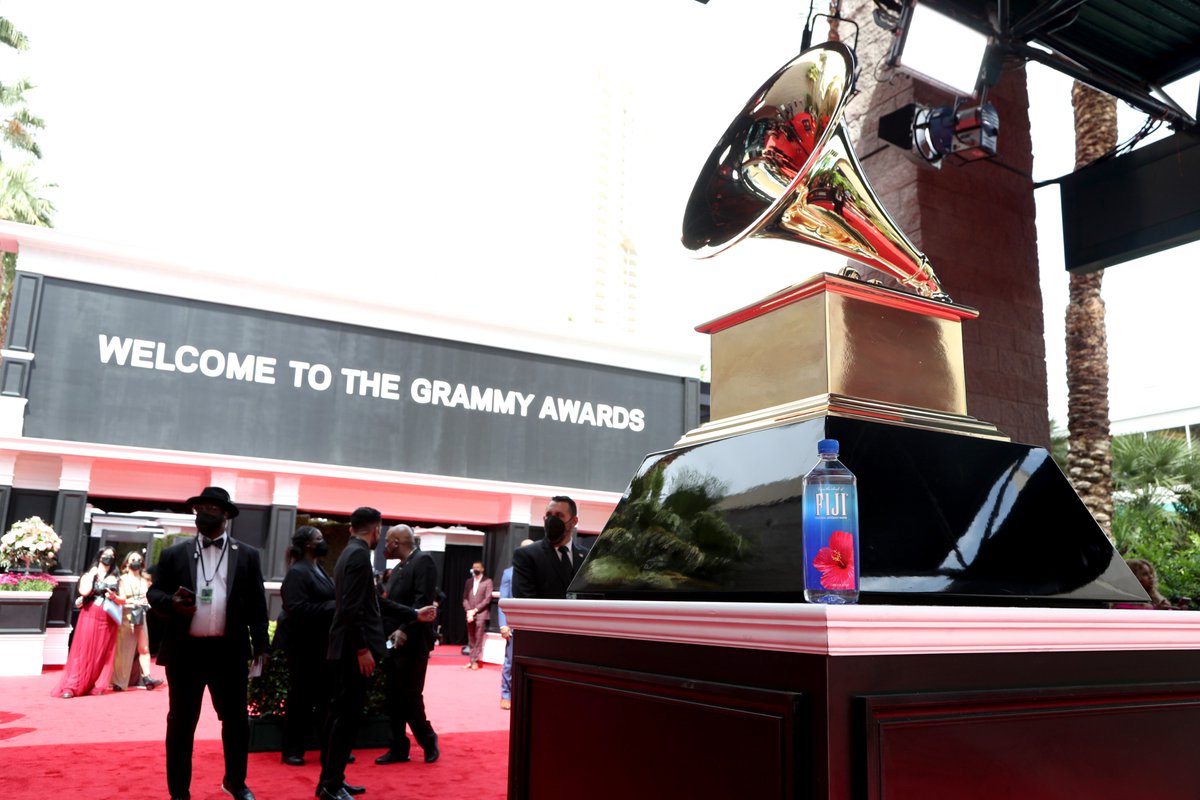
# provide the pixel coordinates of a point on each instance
(27, 582)
(29, 542)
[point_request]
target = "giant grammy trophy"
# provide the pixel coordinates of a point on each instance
(950, 510)
(983, 659)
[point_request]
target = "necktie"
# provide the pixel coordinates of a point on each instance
(565, 561)
(217, 542)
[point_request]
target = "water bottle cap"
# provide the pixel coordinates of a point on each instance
(828, 446)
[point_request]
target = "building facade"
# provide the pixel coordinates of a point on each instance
(128, 384)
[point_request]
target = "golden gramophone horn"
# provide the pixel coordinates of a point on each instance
(785, 170)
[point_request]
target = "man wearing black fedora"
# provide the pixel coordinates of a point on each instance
(210, 590)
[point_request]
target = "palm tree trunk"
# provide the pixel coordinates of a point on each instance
(1089, 461)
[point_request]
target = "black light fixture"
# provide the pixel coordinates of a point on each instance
(966, 132)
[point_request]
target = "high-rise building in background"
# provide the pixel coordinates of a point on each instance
(613, 292)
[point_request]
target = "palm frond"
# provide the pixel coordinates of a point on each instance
(12, 37)
(12, 94)
(21, 197)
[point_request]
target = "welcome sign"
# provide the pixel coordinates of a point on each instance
(123, 367)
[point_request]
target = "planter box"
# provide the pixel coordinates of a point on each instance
(23, 612)
(22, 632)
(266, 734)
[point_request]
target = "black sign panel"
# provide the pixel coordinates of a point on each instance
(121, 367)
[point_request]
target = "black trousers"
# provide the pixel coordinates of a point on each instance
(309, 687)
(404, 687)
(219, 664)
(341, 723)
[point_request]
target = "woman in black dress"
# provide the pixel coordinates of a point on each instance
(308, 604)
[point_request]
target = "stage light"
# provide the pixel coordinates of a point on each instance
(968, 133)
(932, 46)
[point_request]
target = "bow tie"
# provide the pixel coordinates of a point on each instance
(217, 542)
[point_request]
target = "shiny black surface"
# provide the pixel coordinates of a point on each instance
(944, 518)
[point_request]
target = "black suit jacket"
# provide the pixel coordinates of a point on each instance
(245, 608)
(537, 572)
(412, 586)
(357, 621)
(308, 605)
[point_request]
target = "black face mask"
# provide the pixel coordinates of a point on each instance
(556, 530)
(106, 560)
(477, 572)
(135, 565)
(208, 524)
(320, 549)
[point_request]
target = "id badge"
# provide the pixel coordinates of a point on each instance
(206, 595)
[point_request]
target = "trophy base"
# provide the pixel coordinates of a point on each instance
(843, 347)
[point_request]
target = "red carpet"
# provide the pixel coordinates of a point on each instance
(111, 745)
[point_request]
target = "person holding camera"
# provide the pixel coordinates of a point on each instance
(132, 638)
(90, 660)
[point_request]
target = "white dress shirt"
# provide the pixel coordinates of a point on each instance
(212, 570)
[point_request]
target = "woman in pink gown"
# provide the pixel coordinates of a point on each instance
(90, 662)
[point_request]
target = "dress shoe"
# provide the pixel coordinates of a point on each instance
(337, 794)
(346, 787)
(432, 753)
(506, 704)
(243, 793)
(150, 683)
(293, 761)
(116, 688)
(392, 758)
(351, 759)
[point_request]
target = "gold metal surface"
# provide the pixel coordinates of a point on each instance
(836, 346)
(784, 169)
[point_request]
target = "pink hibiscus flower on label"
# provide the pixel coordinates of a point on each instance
(836, 562)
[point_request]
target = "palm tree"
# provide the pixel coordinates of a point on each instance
(1157, 514)
(21, 197)
(1089, 460)
(18, 130)
(1157, 473)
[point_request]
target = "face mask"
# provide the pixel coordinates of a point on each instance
(477, 572)
(320, 548)
(106, 560)
(208, 523)
(556, 531)
(135, 565)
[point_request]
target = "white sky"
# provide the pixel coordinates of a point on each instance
(415, 150)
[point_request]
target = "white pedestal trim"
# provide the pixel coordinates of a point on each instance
(862, 629)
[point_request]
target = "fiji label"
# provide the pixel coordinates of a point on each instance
(830, 540)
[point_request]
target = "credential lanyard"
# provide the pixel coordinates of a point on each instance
(204, 572)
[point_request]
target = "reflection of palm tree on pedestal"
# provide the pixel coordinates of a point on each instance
(654, 539)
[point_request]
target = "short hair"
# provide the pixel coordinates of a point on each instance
(364, 517)
(562, 498)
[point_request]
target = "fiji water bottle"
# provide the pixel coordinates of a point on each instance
(830, 529)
